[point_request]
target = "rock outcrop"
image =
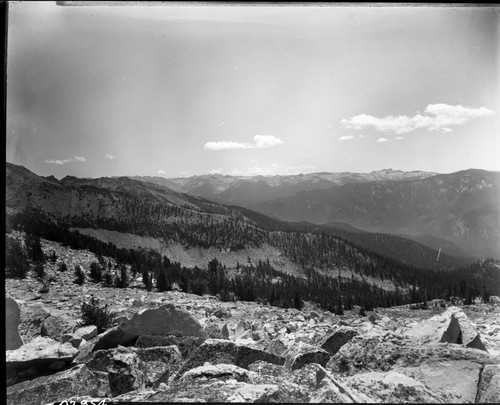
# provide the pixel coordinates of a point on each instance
(40, 356)
(302, 353)
(53, 388)
(218, 351)
(164, 320)
(452, 326)
(12, 318)
(335, 340)
(489, 385)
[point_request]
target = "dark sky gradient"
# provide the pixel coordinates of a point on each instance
(138, 90)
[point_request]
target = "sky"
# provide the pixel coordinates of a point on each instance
(176, 91)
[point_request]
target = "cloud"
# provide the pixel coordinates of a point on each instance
(346, 137)
(380, 140)
(64, 161)
(266, 141)
(260, 142)
(436, 117)
(215, 171)
(225, 145)
(399, 138)
(110, 157)
(161, 172)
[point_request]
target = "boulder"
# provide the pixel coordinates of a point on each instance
(222, 313)
(218, 351)
(453, 381)
(121, 367)
(40, 356)
(164, 320)
(391, 387)
(328, 390)
(56, 326)
(159, 363)
(489, 385)
(213, 331)
(53, 388)
(335, 340)
(80, 335)
(452, 326)
(383, 353)
(32, 317)
(224, 331)
(186, 344)
(12, 317)
(215, 390)
(219, 371)
(303, 353)
(374, 318)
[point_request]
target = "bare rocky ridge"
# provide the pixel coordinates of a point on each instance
(241, 351)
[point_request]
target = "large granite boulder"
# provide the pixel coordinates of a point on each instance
(452, 326)
(186, 344)
(453, 381)
(12, 317)
(56, 326)
(40, 356)
(489, 385)
(219, 351)
(53, 388)
(335, 340)
(219, 371)
(391, 387)
(80, 335)
(303, 353)
(164, 320)
(32, 316)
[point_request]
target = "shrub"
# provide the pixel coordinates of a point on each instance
(45, 287)
(39, 269)
(34, 248)
(79, 275)
(121, 280)
(62, 267)
(16, 262)
(94, 314)
(108, 279)
(96, 272)
(53, 256)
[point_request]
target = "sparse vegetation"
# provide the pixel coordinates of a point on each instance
(94, 314)
(62, 267)
(96, 272)
(16, 262)
(39, 269)
(79, 275)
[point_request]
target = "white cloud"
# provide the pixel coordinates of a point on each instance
(216, 171)
(266, 141)
(346, 137)
(260, 142)
(64, 161)
(161, 172)
(225, 145)
(399, 138)
(380, 140)
(110, 157)
(436, 117)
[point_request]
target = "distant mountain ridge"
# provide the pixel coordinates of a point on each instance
(126, 205)
(240, 190)
(459, 212)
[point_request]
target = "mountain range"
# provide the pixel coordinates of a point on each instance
(458, 213)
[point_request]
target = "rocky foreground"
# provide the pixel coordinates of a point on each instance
(175, 347)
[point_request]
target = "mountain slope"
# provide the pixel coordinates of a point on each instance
(144, 209)
(462, 207)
